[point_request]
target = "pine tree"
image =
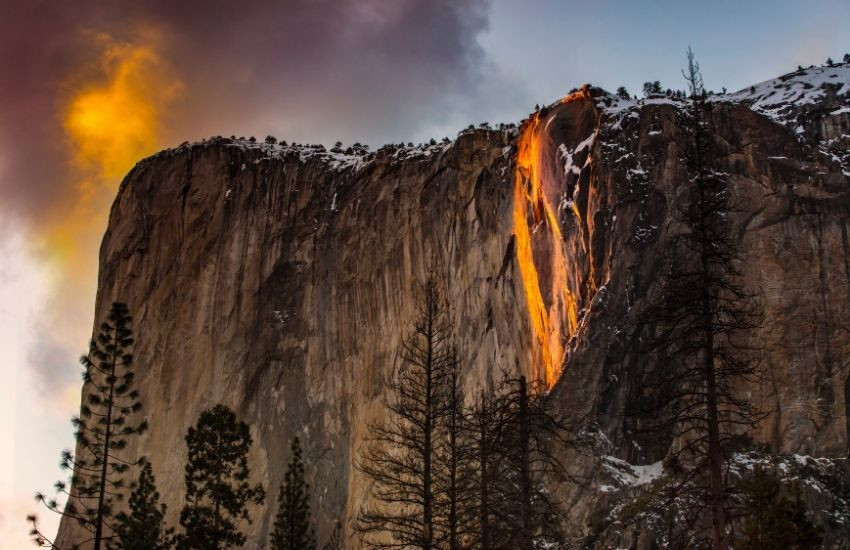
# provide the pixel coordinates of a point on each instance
(293, 526)
(217, 488)
(37, 536)
(142, 528)
(773, 521)
(696, 325)
(103, 430)
(401, 450)
(652, 88)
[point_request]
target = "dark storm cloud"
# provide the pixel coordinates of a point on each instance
(305, 70)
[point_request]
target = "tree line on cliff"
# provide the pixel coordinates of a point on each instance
(476, 470)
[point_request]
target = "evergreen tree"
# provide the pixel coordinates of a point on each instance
(696, 326)
(142, 528)
(103, 430)
(217, 488)
(773, 521)
(652, 88)
(622, 93)
(37, 536)
(293, 526)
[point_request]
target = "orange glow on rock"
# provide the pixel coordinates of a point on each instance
(552, 308)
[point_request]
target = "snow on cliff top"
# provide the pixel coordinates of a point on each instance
(778, 97)
(337, 158)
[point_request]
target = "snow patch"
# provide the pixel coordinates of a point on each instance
(626, 474)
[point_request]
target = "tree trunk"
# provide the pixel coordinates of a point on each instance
(453, 464)
(715, 454)
(427, 512)
(525, 468)
(484, 519)
(98, 533)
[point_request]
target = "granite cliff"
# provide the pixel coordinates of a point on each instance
(279, 279)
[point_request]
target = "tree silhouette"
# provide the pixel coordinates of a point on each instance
(293, 526)
(142, 528)
(217, 488)
(453, 460)
(529, 442)
(401, 450)
(696, 325)
(102, 431)
(486, 423)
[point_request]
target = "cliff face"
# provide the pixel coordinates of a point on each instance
(279, 280)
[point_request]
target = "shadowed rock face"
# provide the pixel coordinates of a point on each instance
(280, 280)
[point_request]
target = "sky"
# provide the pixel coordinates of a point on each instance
(88, 88)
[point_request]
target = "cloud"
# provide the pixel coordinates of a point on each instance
(93, 87)
(368, 70)
(306, 70)
(113, 123)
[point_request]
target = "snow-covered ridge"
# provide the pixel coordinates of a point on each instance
(777, 97)
(782, 99)
(338, 158)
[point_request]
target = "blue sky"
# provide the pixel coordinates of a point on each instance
(549, 46)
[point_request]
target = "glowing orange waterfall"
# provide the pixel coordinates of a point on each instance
(553, 314)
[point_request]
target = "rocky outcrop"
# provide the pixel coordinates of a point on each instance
(279, 280)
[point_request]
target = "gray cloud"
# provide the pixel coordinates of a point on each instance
(305, 70)
(373, 71)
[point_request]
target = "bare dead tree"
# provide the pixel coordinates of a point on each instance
(696, 327)
(485, 423)
(529, 446)
(454, 472)
(401, 449)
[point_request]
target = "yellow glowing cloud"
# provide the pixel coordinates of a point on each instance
(111, 120)
(112, 124)
(112, 112)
